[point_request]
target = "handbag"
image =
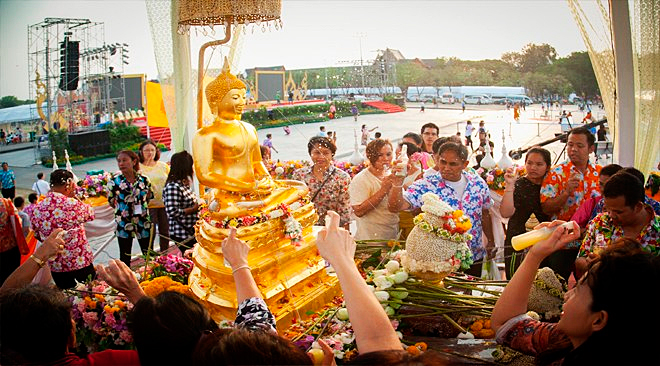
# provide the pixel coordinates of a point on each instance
(16, 227)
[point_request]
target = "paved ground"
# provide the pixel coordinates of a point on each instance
(531, 129)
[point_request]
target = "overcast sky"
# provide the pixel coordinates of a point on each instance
(315, 33)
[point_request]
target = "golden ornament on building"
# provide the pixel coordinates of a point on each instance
(208, 13)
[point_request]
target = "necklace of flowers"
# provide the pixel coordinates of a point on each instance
(281, 211)
(441, 232)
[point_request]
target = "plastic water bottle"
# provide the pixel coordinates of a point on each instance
(404, 161)
(522, 241)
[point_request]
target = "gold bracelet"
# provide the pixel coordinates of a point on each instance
(239, 268)
(41, 263)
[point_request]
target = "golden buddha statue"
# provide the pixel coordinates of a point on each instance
(228, 157)
(274, 217)
(227, 154)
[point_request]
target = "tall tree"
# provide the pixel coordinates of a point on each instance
(407, 74)
(532, 57)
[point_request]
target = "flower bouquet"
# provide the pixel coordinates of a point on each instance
(173, 266)
(351, 169)
(100, 315)
(94, 185)
(284, 169)
(330, 324)
(494, 178)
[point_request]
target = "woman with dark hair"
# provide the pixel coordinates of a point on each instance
(181, 203)
(597, 325)
(328, 186)
(37, 329)
(129, 193)
(61, 209)
(368, 192)
(521, 199)
(156, 171)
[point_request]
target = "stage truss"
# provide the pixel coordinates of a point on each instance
(100, 91)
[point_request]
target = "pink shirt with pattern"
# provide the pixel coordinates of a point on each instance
(59, 211)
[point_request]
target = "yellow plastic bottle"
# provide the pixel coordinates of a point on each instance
(522, 241)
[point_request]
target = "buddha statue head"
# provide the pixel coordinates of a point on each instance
(226, 95)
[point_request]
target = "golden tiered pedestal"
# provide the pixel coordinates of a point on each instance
(292, 278)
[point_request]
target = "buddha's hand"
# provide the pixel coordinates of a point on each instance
(235, 250)
(335, 244)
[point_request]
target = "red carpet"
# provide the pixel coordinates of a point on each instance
(383, 106)
(158, 134)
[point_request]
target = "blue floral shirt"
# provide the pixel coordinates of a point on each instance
(476, 198)
(130, 201)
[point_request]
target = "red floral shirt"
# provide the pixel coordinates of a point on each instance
(555, 182)
(530, 336)
(59, 211)
(649, 237)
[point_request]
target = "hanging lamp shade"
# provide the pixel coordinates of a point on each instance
(225, 12)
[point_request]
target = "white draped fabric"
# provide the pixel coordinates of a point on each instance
(498, 229)
(103, 223)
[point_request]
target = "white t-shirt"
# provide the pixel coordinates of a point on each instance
(468, 130)
(41, 187)
(459, 187)
(379, 223)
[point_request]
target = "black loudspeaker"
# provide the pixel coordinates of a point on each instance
(90, 143)
(69, 64)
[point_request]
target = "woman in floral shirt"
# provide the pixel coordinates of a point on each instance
(597, 325)
(129, 193)
(327, 184)
(60, 209)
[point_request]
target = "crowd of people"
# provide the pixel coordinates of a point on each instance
(616, 229)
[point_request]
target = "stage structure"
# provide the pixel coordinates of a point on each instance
(74, 76)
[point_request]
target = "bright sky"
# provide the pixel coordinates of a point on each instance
(315, 33)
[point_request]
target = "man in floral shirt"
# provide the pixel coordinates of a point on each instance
(626, 215)
(61, 210)
(461, 190)
(564, 189)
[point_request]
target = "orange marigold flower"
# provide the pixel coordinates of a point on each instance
(422, 346)
(413, 350)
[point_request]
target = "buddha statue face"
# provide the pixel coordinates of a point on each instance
(231, 106)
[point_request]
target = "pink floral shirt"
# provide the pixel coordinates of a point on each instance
(333, 195)
(59, 211)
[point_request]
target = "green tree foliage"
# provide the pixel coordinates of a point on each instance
(578, 70)
(409, 73)
(531, 58)
(12, 101)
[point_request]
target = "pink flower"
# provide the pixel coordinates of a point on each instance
(490, 179)
(126, 336)
(90, 318)
(110, 320)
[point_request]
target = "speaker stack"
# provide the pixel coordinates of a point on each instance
(69, 64)
(90, 143)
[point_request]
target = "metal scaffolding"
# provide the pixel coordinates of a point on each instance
(100, 90)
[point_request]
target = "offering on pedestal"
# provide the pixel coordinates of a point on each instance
(274, 217)
(437, 245)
